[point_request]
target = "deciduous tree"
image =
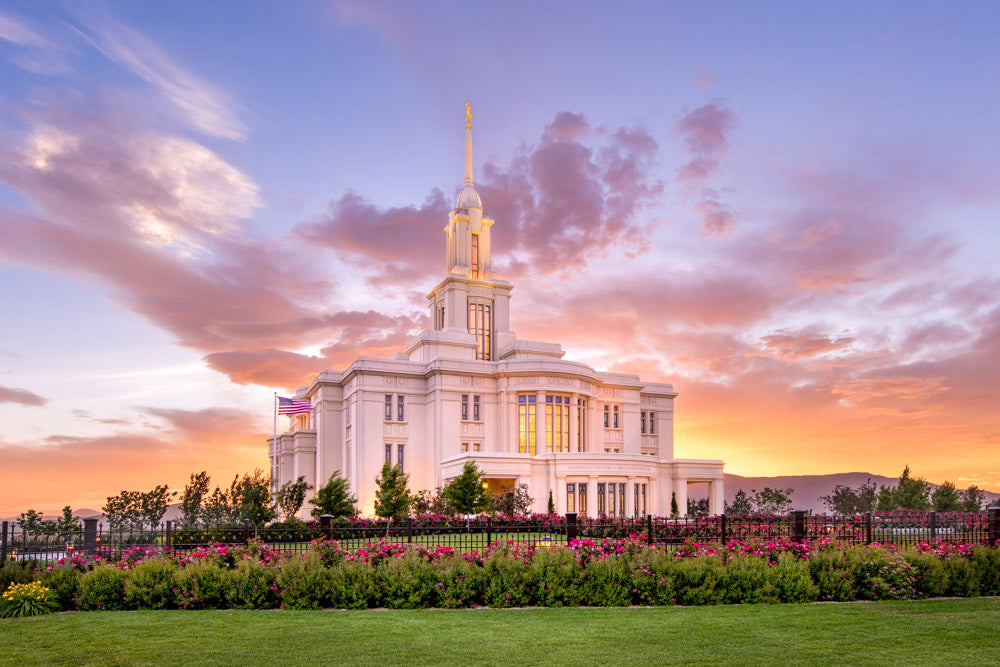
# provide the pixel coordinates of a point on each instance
(392, 498)
(291, 496)
(195, 493)
(465, 493)
(946, 498)
(334, 498)
(973, 499)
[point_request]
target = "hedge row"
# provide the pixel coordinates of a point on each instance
(611, 573)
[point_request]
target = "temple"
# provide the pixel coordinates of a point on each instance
(469, 389)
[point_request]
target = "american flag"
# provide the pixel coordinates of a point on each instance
(293, 406)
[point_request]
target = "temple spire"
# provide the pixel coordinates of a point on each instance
(468, 143)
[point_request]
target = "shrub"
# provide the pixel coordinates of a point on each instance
(653, 578)
(200, 585)
(791, 580)
(251, 585)
(102, 588)
(152, 584)
(15, 572)
(607, 582)
(407, 583)
(303, 584)
(555, 578)
(64, 582)
(930, 576)
(506, 583)
(351, 585)
(882, 575)
(986, 565)
(28, 599)
(833, 575)
(696, 580)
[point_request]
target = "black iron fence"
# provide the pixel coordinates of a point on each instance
(899, 528)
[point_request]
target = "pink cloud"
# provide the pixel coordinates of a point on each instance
(793, 345)
(21, 396)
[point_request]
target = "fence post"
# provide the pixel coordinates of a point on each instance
(489, 530)
(326, 525)
(409, 530)
(722, 527)
(649, 529)
(3, 544)
(993, 518)
(798, 525)
(570, 526)
(90, 535)
(868, 527)
(933, 518)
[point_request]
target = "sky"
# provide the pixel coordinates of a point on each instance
(787, 210)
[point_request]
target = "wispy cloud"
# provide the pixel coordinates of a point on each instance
(204, 105)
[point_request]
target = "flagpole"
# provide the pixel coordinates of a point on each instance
(274, 446)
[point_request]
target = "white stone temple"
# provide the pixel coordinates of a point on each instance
(469, 389)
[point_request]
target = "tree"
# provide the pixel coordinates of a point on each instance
(153, 505)
(697, 507)
(255, 498)
(551, 507)
(910, 494)
(67, 525)
(31, 523)
(741, 504)
(466, 494)
(973, 499)
(194, 495)
(392, 498)
(221, 508)
(946, 498)
(431, 502)
(674, 509)
(772, 501)
(843, 500)
(867, 497)
(513, 502)
(291, 496)
(124, 511)
(334, 498)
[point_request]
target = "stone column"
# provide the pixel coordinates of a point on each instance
(716, 497)
(592, 496)
(573, 428)
(541, 425)
(681, 489)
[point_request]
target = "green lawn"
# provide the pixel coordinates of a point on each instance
(876, 633)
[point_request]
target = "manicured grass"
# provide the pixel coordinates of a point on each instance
(923, 632)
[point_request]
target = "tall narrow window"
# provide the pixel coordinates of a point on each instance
(652, 420)
(607, 419)
(644, 500)
(481, 325)
(557, 423)
(621, 500)
(571, 497)
(616, 417)
(400, 409)
(582, 495)
(475, 408)
(388, 407)
(611, 499)
(388, 454)
(474, 262)
(635, 502)
(399, 457)
(601, 502)
(526, 424)
(439, 318)
(465, 407)
(642, 422)
(581, 424)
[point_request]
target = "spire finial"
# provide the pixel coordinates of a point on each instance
(468, 143)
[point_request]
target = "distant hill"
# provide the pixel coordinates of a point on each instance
(809, 488)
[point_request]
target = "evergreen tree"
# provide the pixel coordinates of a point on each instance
(973, 499)
(392, 498)
(551, 507)
(291, 496)
(192, 498)
(334, 498)
(30, 523)
(909, 494)
(946, 498)
(153, 505)
(67, 525)
(674, 509)
(465, 494)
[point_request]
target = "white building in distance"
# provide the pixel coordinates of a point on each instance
(470, 390)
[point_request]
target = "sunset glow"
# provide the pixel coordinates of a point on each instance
(788, 211)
